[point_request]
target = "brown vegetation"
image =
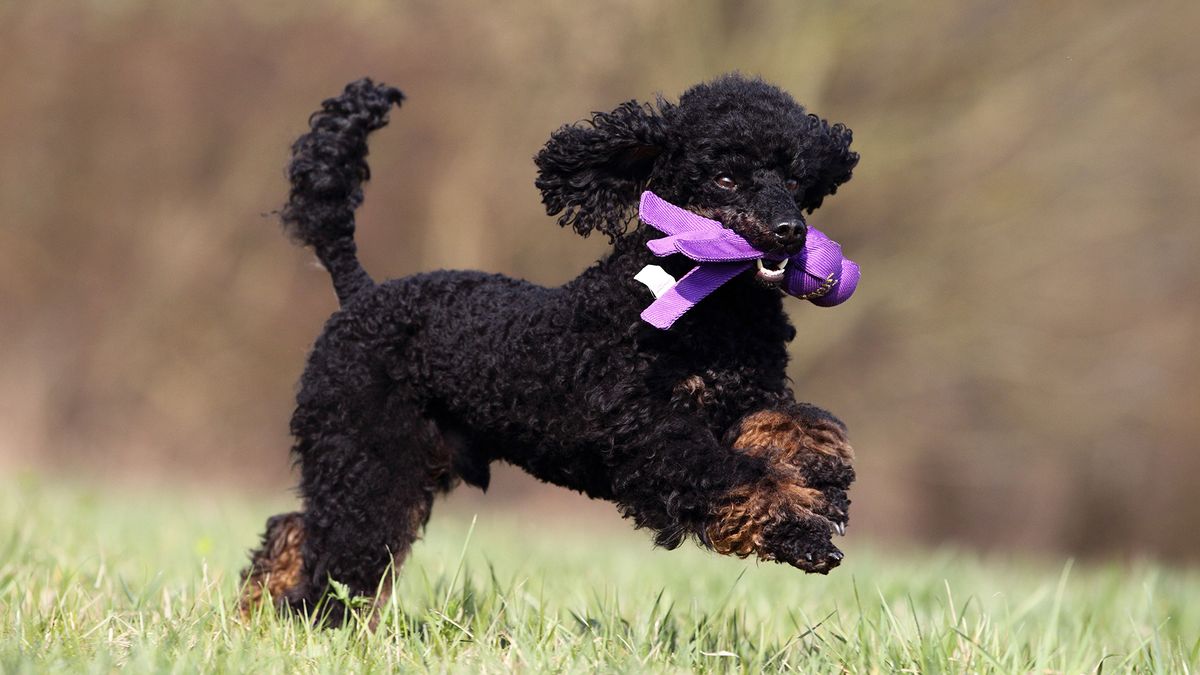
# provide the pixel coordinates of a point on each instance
(1017, 367)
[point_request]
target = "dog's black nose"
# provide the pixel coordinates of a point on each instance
(790, 232)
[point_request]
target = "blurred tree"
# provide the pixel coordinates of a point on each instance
(1018, 366)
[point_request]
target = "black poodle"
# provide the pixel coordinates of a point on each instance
(418, 383)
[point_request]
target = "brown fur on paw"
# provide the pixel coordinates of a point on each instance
(791, 515)
(779, 431)
(810, 449)
(740, 524)
(277, 567)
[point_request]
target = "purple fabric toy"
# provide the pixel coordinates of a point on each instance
(819, 273)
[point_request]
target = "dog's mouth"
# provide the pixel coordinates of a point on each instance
(770, 273)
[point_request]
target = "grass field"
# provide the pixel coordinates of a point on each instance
(136, 579)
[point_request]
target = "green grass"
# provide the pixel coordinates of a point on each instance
(101, 579)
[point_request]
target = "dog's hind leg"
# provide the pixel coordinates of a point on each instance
(364, 508)
(371, 464)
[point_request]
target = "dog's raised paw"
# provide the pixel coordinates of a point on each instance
(805, 543)
(793, 515)
(782, 522)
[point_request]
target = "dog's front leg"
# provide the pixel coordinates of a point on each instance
(776, 487)
(792, 513)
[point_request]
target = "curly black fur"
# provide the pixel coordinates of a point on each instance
(329, 166)
(594, 172)
(420, 382)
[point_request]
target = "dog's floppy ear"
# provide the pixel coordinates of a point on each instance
(832, 153)
(593, 172)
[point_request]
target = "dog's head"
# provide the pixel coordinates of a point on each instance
(737, 150)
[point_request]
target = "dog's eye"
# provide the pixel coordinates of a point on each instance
(792, 185)
(725, 182)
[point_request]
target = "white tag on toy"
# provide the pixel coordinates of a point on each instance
(656, 279)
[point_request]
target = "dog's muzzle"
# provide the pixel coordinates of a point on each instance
(821, 274)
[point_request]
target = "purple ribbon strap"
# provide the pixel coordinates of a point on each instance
(819, 273)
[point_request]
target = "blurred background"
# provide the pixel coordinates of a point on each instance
(1018, 367)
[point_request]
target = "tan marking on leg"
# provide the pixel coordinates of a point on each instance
(778, 437)
(775, 431)
(379, 605)
(740, 523)
(277, 566)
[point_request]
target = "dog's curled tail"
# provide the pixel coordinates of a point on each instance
(327, 171)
